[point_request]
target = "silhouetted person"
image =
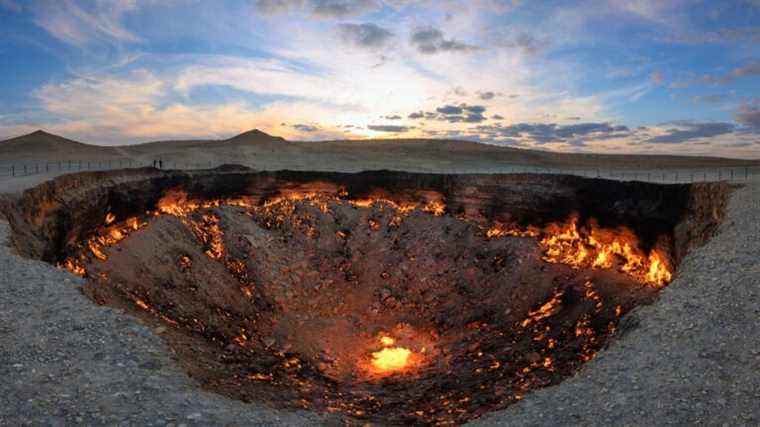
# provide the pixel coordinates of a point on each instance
(160, 164)
(154, 163)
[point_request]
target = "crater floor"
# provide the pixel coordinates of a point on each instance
(292, 304)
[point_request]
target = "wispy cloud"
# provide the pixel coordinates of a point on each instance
(72, 23)
(319, 8)
(429, 40)
(368, 35)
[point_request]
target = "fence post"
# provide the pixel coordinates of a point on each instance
(732, 174)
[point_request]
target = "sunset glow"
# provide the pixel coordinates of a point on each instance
(589, 76)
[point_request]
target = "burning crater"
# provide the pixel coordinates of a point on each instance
(386, 297)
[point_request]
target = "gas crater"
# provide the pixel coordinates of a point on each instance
(385, 297)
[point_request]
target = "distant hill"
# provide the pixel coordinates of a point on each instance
(43, 146)
(255, 137)
(263, 151)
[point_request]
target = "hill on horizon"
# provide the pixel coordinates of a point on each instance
(266, 151)
(41, 145)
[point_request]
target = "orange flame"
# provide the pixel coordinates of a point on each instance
(110, 218)
(594, 247)
(391, 359)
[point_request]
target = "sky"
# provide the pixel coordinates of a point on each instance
(606, 76)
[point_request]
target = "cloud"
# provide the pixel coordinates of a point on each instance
(450, 109)
(430, 40)
(720, 36)
(751, 69)
(749, 116)
(271, 7)
(393, 117)
(486, 96)
(715, 98)
(748, 70)
(305, 128)
(497, 117)
(343, 8)
(524, 42)
(368, 36)
(461, 113)
(390, 128)
(467, 118)
(477, 109)
(419, 115)
(688, 131)
(100, 23)
(544, 133)
(461, 108)
(319, 8)
(656, 77)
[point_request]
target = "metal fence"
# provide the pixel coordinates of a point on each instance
(670, 175)
(29, 168)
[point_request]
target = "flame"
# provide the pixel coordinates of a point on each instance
(436, 207)
(387, 341)
(401, 207)
(74, 266)
(176, 202)
(391, 359)
(658, 270)
(550, 308)
(110, 218)
(592, 246)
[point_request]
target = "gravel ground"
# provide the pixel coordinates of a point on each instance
(65, 361)
(692, 357)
